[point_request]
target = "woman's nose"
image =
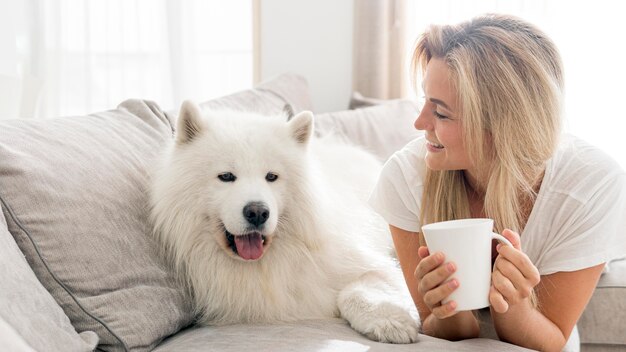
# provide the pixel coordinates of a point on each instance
(422, 121)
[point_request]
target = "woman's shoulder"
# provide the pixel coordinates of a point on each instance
(579, 165)
(398, 192)
(416, 148)
(409, 160)
(579, 211)
(578, 150)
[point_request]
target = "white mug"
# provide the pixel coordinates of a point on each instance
(466, 243)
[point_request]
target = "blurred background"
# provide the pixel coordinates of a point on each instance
(73, 57)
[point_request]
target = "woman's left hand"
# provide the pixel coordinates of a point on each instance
(514, 276)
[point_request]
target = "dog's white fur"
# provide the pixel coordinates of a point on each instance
(326, 253)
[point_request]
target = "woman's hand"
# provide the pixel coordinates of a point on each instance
(434, 286)
(514, 276)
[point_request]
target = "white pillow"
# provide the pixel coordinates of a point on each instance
(10, 340)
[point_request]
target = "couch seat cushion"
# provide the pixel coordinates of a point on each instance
(312, 335)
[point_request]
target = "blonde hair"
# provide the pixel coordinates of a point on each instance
(508, 77)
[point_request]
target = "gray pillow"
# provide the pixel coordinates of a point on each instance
(30, 319)
(358, 101)
(75, 199)
(381, 129)
(268, 97)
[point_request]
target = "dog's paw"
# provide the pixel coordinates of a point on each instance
(390, 324)
(377, 307)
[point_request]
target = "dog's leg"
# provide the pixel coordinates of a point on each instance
(376, 306)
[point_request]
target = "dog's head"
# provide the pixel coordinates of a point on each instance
(237, 172)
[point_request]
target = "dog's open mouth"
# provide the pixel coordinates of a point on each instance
(249, 246)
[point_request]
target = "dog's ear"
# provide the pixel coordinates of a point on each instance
(190, 122)
(301, 127)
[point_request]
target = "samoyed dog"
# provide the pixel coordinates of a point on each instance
(266, 223)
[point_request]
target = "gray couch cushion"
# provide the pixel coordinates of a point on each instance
(312, 335)
(604, 318)
(29, 316)
(381, 129)
(76, 193)
(358, 101)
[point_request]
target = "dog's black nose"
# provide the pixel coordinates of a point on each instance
(256, 213)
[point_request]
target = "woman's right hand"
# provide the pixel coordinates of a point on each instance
(434, 283)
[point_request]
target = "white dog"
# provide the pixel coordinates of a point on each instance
(266, 223)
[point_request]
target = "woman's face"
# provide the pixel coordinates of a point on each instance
(440, 119)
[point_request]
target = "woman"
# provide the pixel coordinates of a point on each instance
(493, 149)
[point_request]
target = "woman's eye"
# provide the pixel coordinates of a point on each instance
(439, 116)
(227, 177)
(271, 177)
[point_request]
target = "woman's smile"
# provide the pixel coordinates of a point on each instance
(434, 147)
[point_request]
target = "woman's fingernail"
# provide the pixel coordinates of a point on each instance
(452, 305)
(498, 247)
(450, 267)
(453, 283)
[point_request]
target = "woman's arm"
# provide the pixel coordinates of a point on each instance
(452, 325)
(561, 299)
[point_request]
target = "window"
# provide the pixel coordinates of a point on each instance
(91, 55)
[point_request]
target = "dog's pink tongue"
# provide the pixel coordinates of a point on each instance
(249, 246)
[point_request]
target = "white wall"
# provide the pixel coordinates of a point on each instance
(313, 39)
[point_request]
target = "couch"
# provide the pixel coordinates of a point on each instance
(80, 271)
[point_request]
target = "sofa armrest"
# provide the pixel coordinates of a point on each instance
(602, 325)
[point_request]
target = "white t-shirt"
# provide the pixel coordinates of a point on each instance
(579, 216)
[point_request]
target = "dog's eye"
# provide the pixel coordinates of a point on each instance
(227, 177)
(271, 177)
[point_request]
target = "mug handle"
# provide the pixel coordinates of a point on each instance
(502, 239)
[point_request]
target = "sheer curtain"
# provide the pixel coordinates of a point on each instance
(379, 46)
(90, 55)
(590, 37)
